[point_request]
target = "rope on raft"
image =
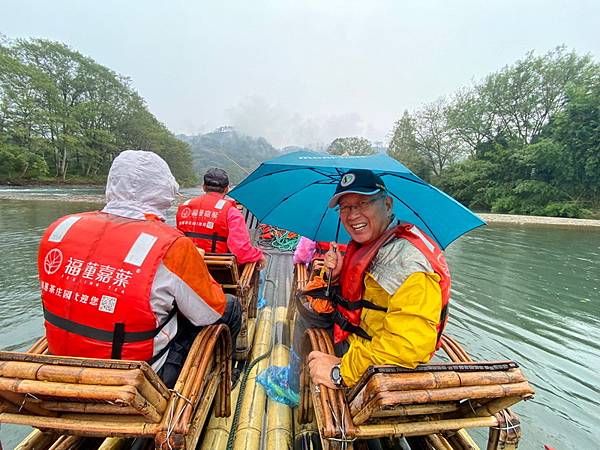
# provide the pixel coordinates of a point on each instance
(278, 238)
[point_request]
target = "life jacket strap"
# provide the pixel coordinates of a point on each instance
(443, 317)
(213, 238)
(118, 336)
(345, 325)
(336, 298)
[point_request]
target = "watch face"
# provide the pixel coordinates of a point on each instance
(336, 376)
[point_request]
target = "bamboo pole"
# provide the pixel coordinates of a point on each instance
(83, 426)
(497, 405)
(65, 442)
(205, 360)
(70, 374)
(416, 410)
(114, 443)
(390, 399)
(253, 402)
(199, 418)
(218, 428)
(89, 408)
(342, 406)
(21, 402)
(37, 440)
(422, 428)
(431, 380)
(279, 416)
(319, 394)
(39, 346)
(438, 442)
(462, 440)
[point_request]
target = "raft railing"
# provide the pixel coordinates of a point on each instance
(436, 400)
(116, 398)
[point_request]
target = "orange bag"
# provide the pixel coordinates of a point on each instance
(319, 305)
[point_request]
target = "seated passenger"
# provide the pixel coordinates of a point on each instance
(113, 281)
(398, 274)
(215, 224)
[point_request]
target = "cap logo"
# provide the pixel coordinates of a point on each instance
(347, 180)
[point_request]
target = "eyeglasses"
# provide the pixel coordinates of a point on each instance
(361, 206)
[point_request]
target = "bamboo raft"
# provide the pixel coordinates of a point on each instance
(122, 399)
(115, 398)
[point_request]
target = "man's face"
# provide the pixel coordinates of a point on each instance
(365, 217)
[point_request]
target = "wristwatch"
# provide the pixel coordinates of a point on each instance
(336, 376)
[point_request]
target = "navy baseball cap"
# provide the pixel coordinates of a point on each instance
(216, 177)
(357, 181)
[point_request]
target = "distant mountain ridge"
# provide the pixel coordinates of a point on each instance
(232, 151)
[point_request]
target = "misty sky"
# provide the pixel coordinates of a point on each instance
(302, 72)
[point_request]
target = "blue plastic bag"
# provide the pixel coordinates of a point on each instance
(275, 381)
(262, 302)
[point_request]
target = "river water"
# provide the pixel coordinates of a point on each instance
(530, 294)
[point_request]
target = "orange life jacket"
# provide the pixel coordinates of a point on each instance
(96, 272)
(321, 248)
(356, 262)
(204, 220)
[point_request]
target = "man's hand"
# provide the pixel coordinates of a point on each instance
(334, 260)
(261, 263)
(320, 365)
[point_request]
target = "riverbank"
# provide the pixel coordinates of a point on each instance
(22, 195)
(538, 220)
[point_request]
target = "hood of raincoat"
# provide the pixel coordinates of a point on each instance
(139, 183)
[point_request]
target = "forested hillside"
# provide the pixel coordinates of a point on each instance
(226, 148)
(64, 117)
(524, 140)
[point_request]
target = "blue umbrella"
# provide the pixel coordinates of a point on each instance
(293, 190)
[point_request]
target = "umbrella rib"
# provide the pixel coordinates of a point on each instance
(418, 215)
(325, 174)
(286, 199)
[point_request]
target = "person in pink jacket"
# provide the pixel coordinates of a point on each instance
(214, 222)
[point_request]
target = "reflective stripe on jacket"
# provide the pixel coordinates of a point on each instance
(204, 220)
(96, 272)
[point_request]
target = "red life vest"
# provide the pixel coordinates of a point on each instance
(204, 220)
(357, 261)
(96, 271)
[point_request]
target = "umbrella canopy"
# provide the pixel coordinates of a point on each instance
(293, 190)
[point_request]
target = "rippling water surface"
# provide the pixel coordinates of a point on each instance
(525, 293)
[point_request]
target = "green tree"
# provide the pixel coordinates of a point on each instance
(404, 147)
(62, 108)
(436, 140)
(351, 146)
(524, 96)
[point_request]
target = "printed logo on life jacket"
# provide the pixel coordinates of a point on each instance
(347, 179)
(185, 212)
(52, 261)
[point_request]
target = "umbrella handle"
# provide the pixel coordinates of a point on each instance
(330, 272)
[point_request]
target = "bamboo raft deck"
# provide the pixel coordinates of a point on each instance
(428, 404)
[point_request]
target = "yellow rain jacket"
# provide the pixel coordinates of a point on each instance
(400, 279)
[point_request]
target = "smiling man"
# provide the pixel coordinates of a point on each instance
(393, 288)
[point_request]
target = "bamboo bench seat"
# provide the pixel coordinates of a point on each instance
(241, 282)
(434, 398)
(299, 280)
(117, 398)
